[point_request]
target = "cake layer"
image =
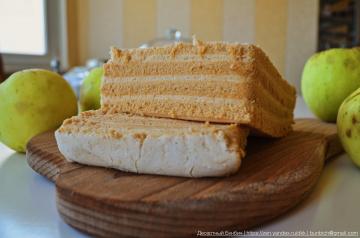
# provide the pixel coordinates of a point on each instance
(197, 58)
(217, 82)
(152, 145)
(231, 87)
(207, 109)
(202, 68)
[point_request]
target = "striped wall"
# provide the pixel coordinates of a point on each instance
(285, 29)
(270, 29)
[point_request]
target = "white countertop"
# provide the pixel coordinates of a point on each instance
(27, 200)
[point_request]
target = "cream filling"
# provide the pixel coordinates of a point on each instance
(179, 57)
(201, 77)
(191, 99)
(187, 57)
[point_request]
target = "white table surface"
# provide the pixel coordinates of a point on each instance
(27, 200)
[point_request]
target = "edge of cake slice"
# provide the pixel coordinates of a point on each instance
(152, 145)
(203, 81)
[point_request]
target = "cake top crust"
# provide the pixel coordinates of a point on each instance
(244, 59)
(109, 124)
(236, 51)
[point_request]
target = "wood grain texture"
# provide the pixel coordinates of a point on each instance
(275, 176)
(44, 157)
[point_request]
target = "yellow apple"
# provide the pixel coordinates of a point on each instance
(90, 90)
(33, 101)
(328, 78)
(348, 124)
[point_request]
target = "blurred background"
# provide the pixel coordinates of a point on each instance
(65, 34)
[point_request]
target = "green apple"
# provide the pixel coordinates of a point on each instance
(348, 124)
(90, 90)
(33, 101)
(328, 78)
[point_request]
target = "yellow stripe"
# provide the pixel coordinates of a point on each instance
(72, 28)
(301, 37)
(82, 30)
(139, 21)
(207, 19)
(239, 21)
(271, 29)
(173, 14)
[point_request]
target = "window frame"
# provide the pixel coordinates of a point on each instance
(55, 40)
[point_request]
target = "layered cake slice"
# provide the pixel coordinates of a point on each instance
(216, 82)
(152, 145)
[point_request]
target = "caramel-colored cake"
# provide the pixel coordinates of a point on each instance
(215, 82)
(152, 145)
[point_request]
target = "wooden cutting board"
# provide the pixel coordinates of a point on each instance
(275, 176)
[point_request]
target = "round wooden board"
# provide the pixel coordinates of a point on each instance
(275, 176)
